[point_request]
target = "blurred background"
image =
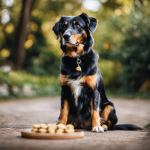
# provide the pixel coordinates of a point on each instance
(30, 55)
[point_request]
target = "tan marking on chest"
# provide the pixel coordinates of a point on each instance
(77, 85)
(90, 80)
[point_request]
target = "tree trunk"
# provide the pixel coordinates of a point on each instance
(1, 12)
(20, 52)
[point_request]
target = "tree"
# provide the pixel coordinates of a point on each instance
(19, 52)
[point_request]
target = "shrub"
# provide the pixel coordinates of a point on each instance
(22, 84)
(135, 49)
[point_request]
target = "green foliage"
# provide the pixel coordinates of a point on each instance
(40, 60)
(21, 84)
(110, 72)
(125, 39)
(47, 63)
(135, 49)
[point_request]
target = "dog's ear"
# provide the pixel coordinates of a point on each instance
(93, 24)
(56, 28)
(90, 21)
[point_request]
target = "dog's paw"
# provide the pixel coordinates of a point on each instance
(105, 127)
(98, 129)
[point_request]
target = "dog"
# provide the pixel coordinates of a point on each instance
(83, 99)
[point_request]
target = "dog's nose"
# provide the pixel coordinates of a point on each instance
(67, 35)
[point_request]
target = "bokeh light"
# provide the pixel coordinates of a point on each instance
(9, 28)
(5, 16)
(92, 5)
(8, 3)
(4, 53)
(28, 44)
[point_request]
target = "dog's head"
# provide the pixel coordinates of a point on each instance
(74, 31)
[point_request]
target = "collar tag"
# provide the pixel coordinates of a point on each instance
(78, 62)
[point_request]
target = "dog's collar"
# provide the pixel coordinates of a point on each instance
(78, 62)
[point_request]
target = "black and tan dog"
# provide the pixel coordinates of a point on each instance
(83, 100)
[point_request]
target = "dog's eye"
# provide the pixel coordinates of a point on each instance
(64, 26)
(77, 25)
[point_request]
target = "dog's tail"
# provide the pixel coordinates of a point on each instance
(126, 127)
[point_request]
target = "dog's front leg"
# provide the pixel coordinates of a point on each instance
(64, 110)
(64, 113)
(94, 103)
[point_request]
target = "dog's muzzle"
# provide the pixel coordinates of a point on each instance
(67, 39)
(67, 36)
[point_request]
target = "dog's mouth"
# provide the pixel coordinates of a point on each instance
(69, 42)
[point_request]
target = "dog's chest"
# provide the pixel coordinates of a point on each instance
(76, 88)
